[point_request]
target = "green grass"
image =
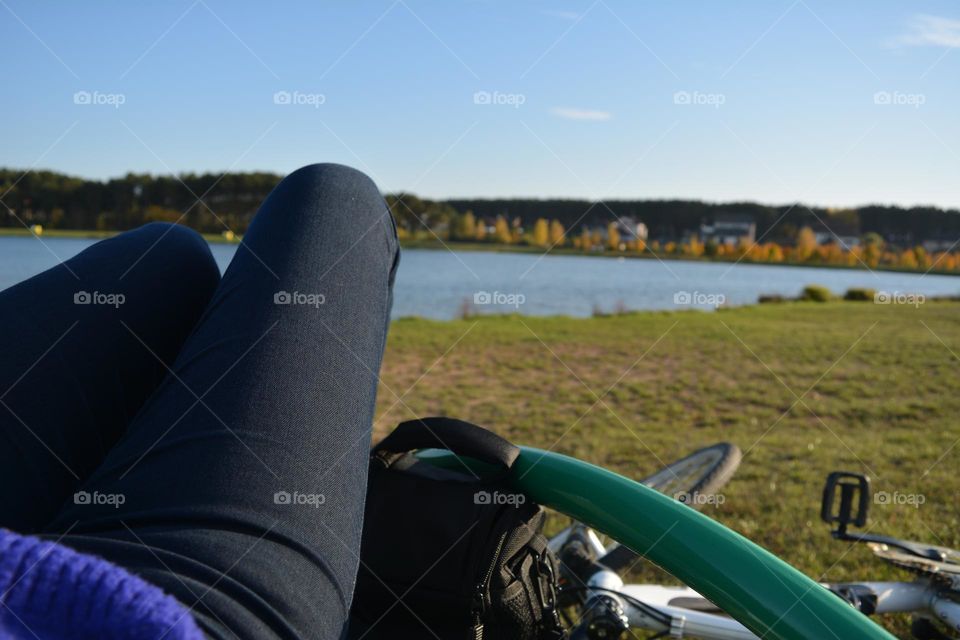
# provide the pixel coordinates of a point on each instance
(879, 386)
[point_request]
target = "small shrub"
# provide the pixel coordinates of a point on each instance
(619, 309)
(771, 297)
(466, 310)
(860, 294)
(816, 293)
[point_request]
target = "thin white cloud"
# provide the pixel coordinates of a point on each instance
(926, 31)
(563, 15)
(580, 114)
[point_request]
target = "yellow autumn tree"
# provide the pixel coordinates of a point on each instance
(693, 247)
(831, 253)
(806, 244)
(502, 231)
(480, 231)
(466, 226)
(557, 233)
(613, 236)
(541, 233)
(908, 260)
(586, 242)
(872, 250)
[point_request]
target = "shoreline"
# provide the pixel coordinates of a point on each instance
(434, 245)
(91, 234)
(795, 303)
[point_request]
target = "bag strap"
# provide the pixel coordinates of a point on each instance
(457, 436)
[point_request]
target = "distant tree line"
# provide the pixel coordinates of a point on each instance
(205, 202)
(672, 220)
(213, 203)
(870, 251)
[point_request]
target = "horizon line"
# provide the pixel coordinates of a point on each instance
(794, 203)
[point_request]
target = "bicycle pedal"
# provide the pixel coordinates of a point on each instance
(854, 489)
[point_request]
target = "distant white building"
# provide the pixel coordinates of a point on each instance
(829, 237)
(631, 229)
(937, 245)
(729, 228)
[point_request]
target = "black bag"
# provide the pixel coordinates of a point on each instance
(446, 553)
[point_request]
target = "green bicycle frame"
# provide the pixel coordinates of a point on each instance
(762, 592)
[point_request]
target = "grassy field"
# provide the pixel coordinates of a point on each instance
(877, 385)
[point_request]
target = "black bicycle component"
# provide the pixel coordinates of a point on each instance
(854, 488)
(462, 438)
(645, 609)
(859, 596)
(604, 620)
(619, 558)
(925, 629)
(577, 564)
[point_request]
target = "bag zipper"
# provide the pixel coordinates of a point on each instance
(478, 600)
(550, 624)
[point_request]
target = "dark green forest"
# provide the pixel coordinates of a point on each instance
(213, 203)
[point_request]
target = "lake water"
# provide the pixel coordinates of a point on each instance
(437, 283)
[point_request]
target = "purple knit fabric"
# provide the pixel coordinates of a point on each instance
(50, 592)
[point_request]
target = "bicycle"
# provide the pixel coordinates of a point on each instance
(591, 581)
(743, 590)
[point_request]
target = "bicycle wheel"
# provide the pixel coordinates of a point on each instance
(689, 479)
(702, 472)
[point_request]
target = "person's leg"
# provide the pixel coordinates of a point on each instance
(243, 479)
(82, 345)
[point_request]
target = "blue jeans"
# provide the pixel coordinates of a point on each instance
(208, 434)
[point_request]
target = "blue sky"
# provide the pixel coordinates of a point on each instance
(829, 103)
